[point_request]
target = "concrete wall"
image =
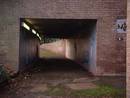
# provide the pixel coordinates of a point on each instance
(28, 49)
(70, 51)
(82, 50)
(105, 11)
(92, 52)
(86, 51)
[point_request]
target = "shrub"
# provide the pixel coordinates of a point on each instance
(3, 74)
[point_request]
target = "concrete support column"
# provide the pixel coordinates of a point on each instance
(70, 49)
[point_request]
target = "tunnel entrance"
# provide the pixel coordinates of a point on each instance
(58, 42)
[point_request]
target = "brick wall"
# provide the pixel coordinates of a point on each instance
(110, 52)
(128, 49)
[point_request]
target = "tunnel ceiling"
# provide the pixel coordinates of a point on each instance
(62, 27)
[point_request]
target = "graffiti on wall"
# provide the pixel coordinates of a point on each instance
(121, 26)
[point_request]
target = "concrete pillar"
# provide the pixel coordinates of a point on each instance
(92, 52)
(70, 49)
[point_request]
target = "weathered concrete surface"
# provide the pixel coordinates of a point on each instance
(44, 82)
(111, 55)
(86, 51)
(81, 86)
(70, 51)
(28, 49)
(39, 88)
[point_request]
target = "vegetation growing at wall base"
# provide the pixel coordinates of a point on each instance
(3, 74)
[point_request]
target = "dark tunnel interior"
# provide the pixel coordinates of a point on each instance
(62, 28)
(78, 36)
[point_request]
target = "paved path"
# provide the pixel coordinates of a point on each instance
(50, 77)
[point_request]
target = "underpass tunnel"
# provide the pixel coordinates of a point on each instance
(58, 40)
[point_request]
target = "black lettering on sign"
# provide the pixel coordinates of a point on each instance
(122, 26)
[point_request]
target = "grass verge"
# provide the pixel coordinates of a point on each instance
(96, 92)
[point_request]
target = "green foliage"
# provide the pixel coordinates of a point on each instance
(3, 75)
(55, 91)
(95, 92)
(100, 91)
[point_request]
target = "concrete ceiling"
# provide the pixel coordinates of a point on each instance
(62, 27)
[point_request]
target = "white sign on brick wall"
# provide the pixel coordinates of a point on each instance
(121, 26)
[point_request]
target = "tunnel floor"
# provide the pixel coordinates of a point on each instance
(56, 77)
